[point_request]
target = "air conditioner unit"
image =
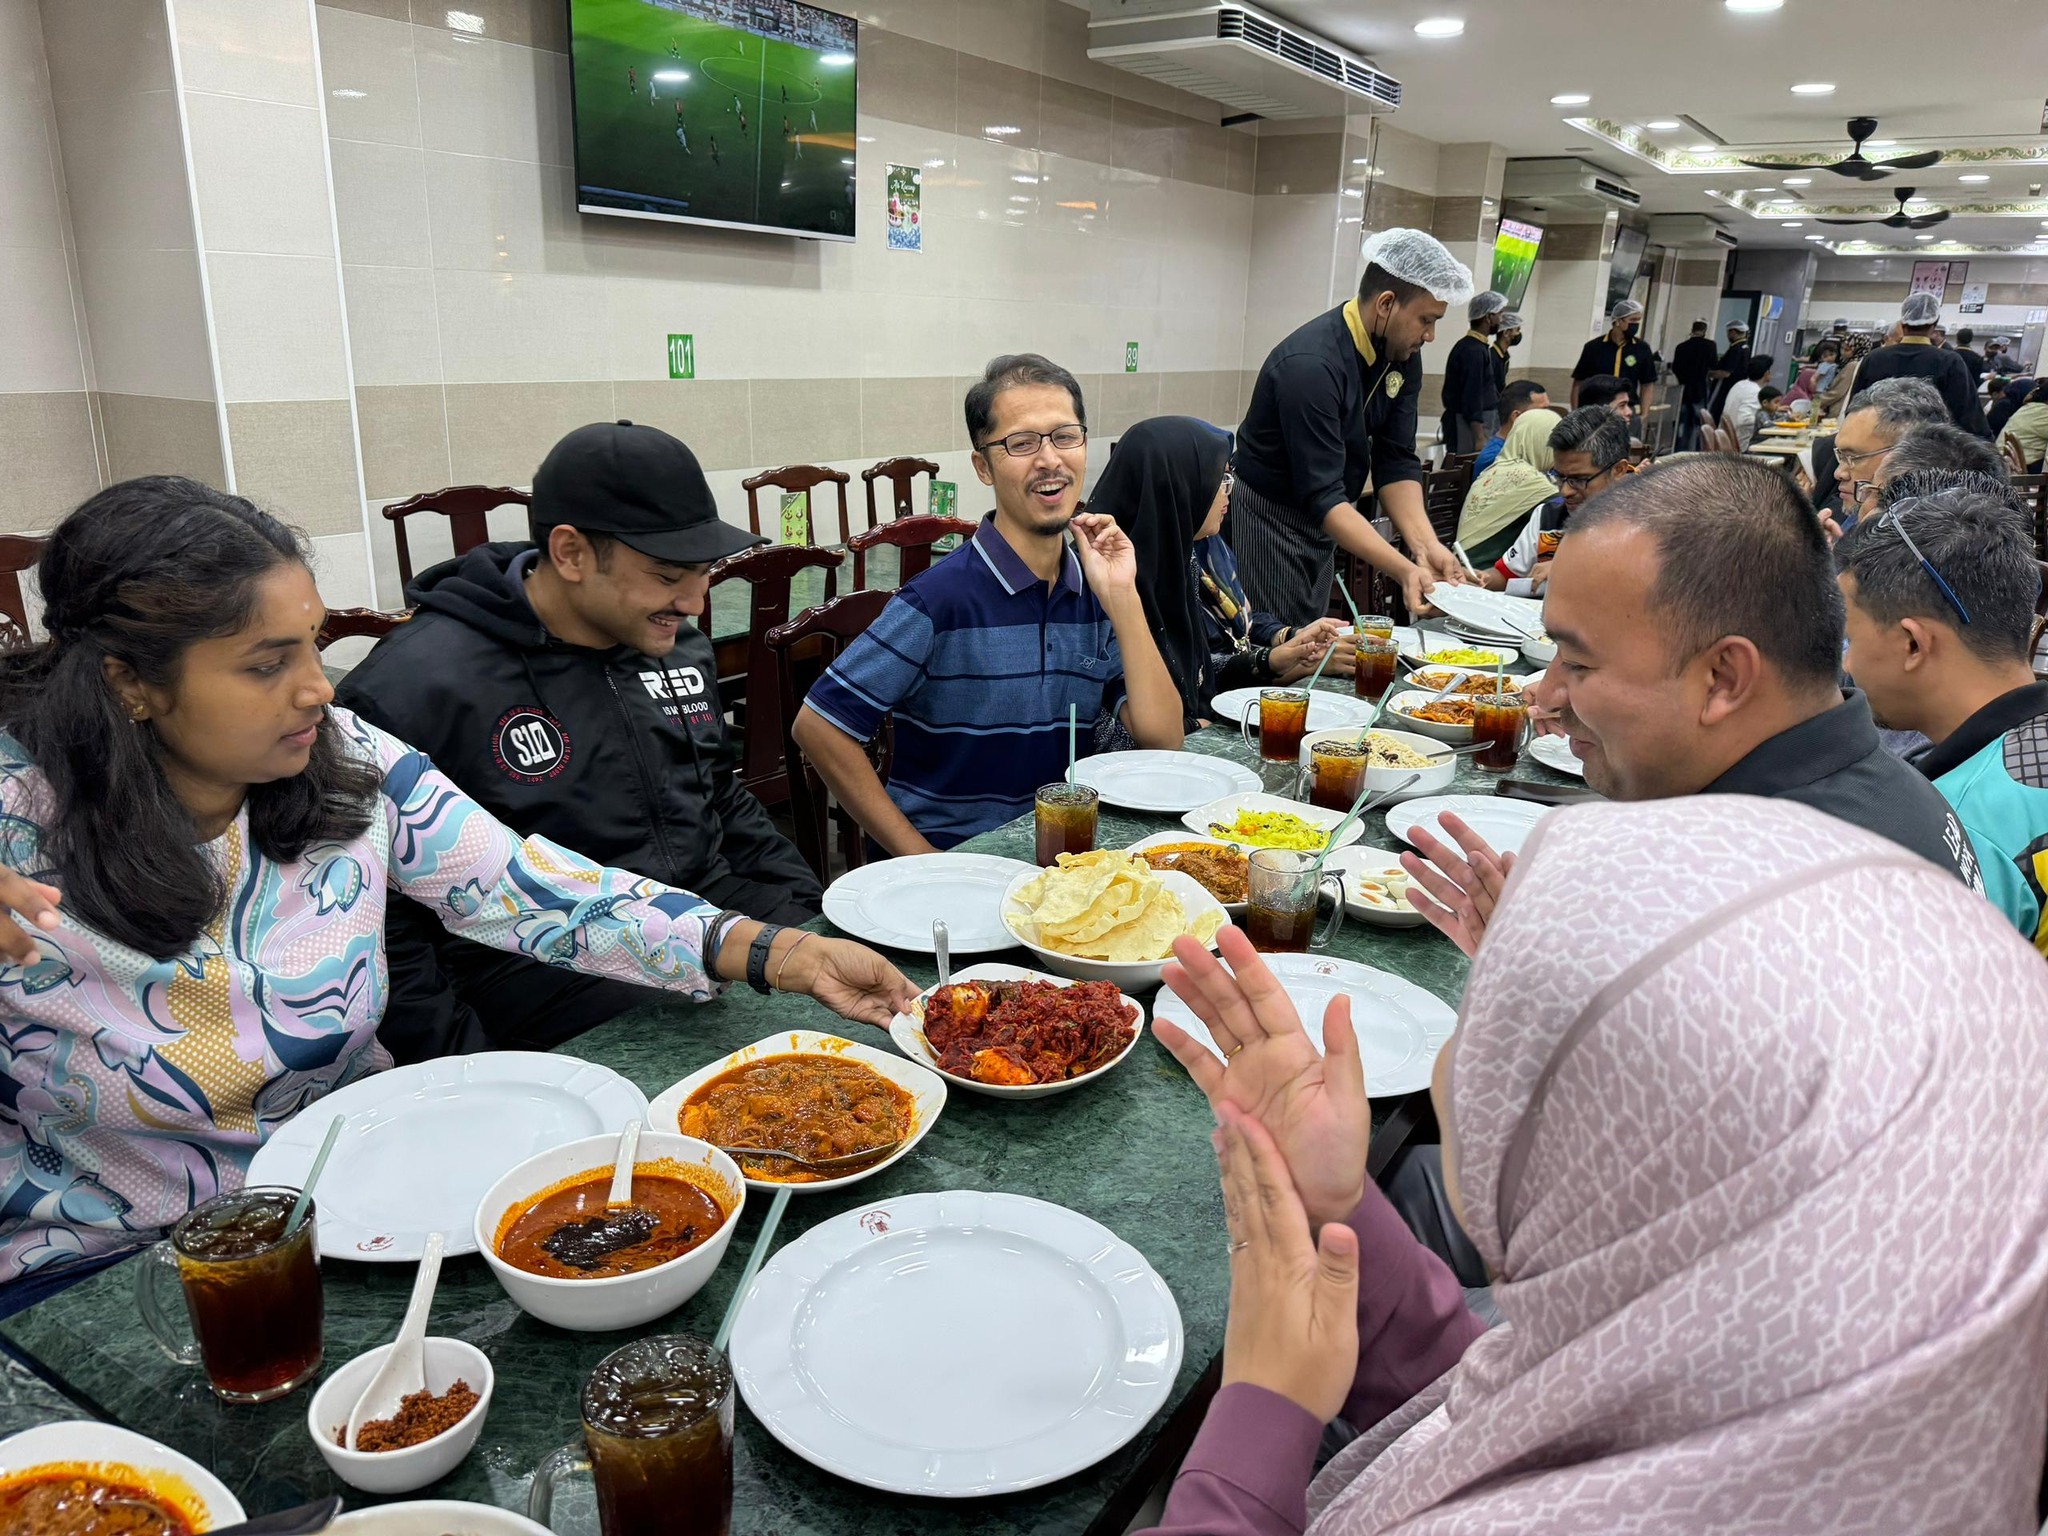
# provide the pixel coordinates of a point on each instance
(1237, 56)
(1690, 232)
(1566, 183)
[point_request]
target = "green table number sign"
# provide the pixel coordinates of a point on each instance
(682, 356)
(945, 499)
(1130, 357)
(796, 517)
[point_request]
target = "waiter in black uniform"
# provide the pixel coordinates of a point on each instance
(1692, 363)
(1333, 409)
(1505, 340)
(1472, 377)
(1915, 356)
(1733, 367)
(1621, 353)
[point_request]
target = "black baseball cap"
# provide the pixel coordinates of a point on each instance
(640, 486)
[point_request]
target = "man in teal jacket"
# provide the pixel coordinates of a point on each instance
(1941, 588)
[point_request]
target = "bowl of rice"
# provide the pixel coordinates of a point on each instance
(1392, 756)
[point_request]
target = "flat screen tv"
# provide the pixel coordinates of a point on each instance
(730, 112)
(1514, 258)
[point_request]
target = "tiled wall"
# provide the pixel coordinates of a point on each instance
(487, 317)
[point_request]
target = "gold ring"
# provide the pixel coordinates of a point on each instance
(1238, 1246)
(1232, 1052)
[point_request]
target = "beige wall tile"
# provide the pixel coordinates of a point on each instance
(995, 99)
(1202, 154)
(124, 172)
(47, 459)
(106, 50)
(390, 10)
(805, 421)
(151, 435)
(533, 23)
(298, 459)
(505, 216)
(148, 324)
(394, 327)
(405, 439)
(1123, 399)
(277, 326)
(1143, 138)
(368, 64)
(341, 569)
(1242, 168)
(1391, 207)
(1705, 272)
(712, 415)
(41, 349)
(1458, 219)
(261, 175)
(930, 21)
(255, 48)
(1183, 393)
(1573, 242)
(908, 416)
(499, 433)
(1075, 121)
(908, 81)
(1297, 163)
(380, 199)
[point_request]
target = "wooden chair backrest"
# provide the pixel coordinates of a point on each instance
(351, 623)
(797, 477)
(902, 477)
(1443, 496)
(18, 553)
(803, 648)
(769, 570)
(467, 508)
(914, 536)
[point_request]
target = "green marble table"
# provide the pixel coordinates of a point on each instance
(1131, 1151)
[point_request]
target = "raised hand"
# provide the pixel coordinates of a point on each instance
(850, 979)
(1465, 888)
(1109, 561)
(33, 903)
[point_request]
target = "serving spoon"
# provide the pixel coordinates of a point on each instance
(404, 1370)
(844, 1160)
(299, 1520)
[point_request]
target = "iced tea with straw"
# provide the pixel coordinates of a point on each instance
(1065, 815)
(1336, 774)
(1373, 667)
(1283, 721)
(1499, 720)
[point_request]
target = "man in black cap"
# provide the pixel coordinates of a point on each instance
(562, 685)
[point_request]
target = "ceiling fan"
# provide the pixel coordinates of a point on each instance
(1857, 167)
(1901, 219)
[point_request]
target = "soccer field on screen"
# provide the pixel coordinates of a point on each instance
(687, 117)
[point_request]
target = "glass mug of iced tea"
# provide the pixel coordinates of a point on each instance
(1065, 816)
(252, 1292)
(1373, 667)
(1375, 624)
(1283, 721)
(657, 1441)
(1280, 911)
(1336, 774)
(1499, 720)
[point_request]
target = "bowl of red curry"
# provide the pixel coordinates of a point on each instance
(80, 1478)
(1013, 1033)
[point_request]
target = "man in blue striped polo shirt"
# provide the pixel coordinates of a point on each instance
(980, 658)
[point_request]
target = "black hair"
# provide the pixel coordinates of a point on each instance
(1377, 280)
(2039, 395)
(1518, 395)
(1595, 431)
(140, 573)
(1016, 370)
(1739, 552)
(1760, 368)
(1604, 389)
(1828, 344)
(1983, 552)
(1966, 336)
(1699, 327)
(1939, 445)
(1768, 392)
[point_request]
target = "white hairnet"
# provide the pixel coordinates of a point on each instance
(1421, 259)
(1484, 304)
(1511, 319)
(1738, 325)
(1624, 309)
(1921, 308)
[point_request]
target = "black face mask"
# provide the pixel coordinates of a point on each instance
(1631, 328)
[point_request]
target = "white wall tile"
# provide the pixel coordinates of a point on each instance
(124, 169)
(489, 215)
(261, 176)
(255, 48)
(372, 92)
(394, 326)
(148, 323)
(511, 327)
(277, 326)
(380, 200)
(106, 50)
(479, 96)
(41, 349)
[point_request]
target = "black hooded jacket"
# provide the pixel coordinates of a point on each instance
(616, 756)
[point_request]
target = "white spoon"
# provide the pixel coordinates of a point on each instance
(622, 1174)
(404, 1370)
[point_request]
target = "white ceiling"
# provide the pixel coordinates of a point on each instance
(1946, 75)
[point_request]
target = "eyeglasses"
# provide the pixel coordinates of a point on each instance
(1022, 445)
(1853, 459)
(1580, 482)
(1891, 518)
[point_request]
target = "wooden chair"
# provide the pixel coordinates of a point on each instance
(797, 477)
(18, 553)
(2015, 455)
(350, 623)
(914, 536)
(2033, 489)
(803, 648)
(1443, 497)
(467, 508)
(770, 570)
(902, 477)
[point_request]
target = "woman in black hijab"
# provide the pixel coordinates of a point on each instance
(1167, 485)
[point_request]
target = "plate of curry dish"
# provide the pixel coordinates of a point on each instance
(817, 1096)
(1219, 868)
(1017, 1034)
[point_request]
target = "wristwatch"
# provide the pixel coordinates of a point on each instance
(1262, 660)
(757, 957)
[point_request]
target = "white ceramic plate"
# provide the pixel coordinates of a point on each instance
(1226, 809)
(1166, 782)
(1325, 710)
(1161, 839)
(896, 901)
(908, 1033)
(926, 1087)
(1127, 976)
(114, 1448)
(436, 1517)
(1556, 752)
(423, 1143)
(1504, 823)
(1361, 863)
(1398, 705)
(1400, 1026)
(1478, 607)
(884, 1345)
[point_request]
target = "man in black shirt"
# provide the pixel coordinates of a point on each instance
(1505, 340)
(1973, 360)
(1729, 371)
(1472, 377)
(1699, 633)
(1620, 353)
(1333, 409)
(1692, 361)
(1916, 357)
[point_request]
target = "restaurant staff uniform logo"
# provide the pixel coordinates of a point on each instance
(1393, 385)
(530, 745)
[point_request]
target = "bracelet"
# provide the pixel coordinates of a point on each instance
(714, 938)
(776, 984)
(757, 957)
